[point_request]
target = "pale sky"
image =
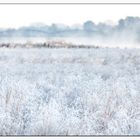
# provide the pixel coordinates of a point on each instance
(24, 15)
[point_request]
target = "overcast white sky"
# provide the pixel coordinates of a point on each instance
(23, 15)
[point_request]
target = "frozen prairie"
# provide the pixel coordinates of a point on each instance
(69, 91)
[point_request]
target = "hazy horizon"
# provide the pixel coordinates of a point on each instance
(125, 33)
(84, 24)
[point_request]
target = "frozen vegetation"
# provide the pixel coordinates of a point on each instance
(71, 91)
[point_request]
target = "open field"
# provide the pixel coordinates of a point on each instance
(71, 91)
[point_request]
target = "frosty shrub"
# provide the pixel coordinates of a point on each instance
(69, 91)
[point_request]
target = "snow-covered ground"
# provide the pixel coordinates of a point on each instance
(70, 91)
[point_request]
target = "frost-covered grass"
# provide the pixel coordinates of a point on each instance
(70, 91)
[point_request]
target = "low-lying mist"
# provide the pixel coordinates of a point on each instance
(98, 42)
(124, 34)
